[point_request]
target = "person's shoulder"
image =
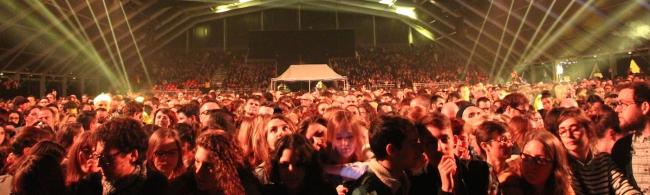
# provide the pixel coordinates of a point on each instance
(366, 183)
(622, 148)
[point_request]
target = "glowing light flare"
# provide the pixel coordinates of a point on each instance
(406, 11)
(387, 2)
(221, 9)
(559, 70)
(424, 32)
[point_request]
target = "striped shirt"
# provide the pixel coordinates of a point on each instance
(599, 176)
(641, 162)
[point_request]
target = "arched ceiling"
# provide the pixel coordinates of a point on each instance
(92, 37)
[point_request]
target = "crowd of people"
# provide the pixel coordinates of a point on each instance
(372, 66)
(589, 137)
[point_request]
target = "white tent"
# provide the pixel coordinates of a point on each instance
(309, 72)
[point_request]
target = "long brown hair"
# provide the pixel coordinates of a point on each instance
(560, 181)
(157, 138)
(82, 147)
(226, 158)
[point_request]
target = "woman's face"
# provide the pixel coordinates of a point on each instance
(537, 166)
(275, 129)
(204, 170)
(291, 171)
(162, 120)
(344, 143)
(14, 118)
(3, 135)
(317, 134)
(166, 156)
(88, 164)
(573, 136)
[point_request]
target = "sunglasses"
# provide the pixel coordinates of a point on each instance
(530, 159)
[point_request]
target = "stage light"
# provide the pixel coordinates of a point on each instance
(244, 1)
(406, 11)
(387, 2)
(220, 9)
(629, 53)
(559, 70)
(139, 99)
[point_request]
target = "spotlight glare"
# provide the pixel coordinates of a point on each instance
(406, 11)
(221, 9)
(387, 2)
(244, 1)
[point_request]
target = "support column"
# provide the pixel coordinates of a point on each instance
(299, 19)
(82, 86)
(41, 86)
(262, 20)
(64, 86)
(336, 19)
(374, 32)
(225, 32)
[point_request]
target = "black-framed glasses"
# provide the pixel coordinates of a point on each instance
(523, 111)
(163, 154)
(502, 140)
(527, 158)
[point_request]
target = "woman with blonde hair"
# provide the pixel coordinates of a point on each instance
(164, 153)
(347, 137)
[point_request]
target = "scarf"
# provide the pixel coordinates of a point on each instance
(396, 185)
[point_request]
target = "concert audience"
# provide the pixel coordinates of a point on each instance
(450, 139)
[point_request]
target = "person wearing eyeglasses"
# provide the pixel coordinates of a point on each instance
(164, 153)
(121, 146)
(81, 161)
(544, 168)
(496, 143)
(593, 172)
(484, 104)
(631, 153)
(514, 104)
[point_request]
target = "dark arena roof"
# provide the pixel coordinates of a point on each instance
(107, 39)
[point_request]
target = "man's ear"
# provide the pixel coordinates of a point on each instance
(484, 146)
(390, 149)
(645, 108)
(133, 156)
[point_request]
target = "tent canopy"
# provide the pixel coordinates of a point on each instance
(309, 72)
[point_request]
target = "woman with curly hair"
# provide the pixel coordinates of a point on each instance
(217, 169)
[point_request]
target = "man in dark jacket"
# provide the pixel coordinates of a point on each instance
(121, 147)
(445, 173)
(397, 148)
